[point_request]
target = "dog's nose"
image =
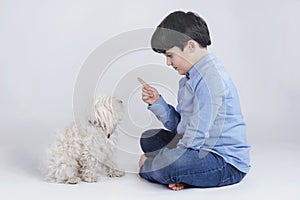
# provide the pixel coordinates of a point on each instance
(108, 136)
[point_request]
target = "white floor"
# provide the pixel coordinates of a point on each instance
(274, 173)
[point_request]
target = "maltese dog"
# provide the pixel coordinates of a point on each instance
(82, 149)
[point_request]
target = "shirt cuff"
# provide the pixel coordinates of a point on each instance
(159, 108)
(159, 101)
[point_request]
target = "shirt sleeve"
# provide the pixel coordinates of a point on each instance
(166, 114)
(206, 120)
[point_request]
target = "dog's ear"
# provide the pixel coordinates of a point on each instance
(104, 116)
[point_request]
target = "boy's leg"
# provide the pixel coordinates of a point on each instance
(180, 165)
(155, 139)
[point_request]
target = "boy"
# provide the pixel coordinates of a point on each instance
(205, 141)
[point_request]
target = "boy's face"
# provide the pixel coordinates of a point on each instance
(178, 59)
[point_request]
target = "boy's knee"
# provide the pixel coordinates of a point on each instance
(149, 133)
(146, 140)
(147, 137)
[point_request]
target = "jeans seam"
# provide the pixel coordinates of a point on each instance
(231, 178)
(197, 173)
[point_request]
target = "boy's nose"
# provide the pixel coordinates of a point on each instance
(169, 63)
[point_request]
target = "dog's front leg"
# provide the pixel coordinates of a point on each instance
(110, 169)
(88, 167)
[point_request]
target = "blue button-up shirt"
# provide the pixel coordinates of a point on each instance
(208, 114)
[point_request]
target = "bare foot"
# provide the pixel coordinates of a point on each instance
(142, 160)
(176, 186)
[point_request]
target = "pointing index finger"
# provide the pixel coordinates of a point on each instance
(142, 82)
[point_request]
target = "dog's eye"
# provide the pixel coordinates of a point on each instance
(90, 121)
(95, 122)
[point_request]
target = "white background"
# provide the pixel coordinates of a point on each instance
(44, 44)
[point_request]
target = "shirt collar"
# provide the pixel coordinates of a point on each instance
(200, 64)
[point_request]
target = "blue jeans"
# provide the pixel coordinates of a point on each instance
(167, 164)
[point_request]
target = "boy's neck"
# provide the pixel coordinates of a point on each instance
(199, 54)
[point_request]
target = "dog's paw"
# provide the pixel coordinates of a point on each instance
(73, 180)
(119, 173)
(92, 179)
(115, 173)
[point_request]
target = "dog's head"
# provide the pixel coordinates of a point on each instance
(107, 112)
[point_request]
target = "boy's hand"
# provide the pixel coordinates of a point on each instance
(149, 94)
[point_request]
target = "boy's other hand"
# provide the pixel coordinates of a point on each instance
(149, 94)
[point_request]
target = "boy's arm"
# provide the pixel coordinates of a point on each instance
(165, 113)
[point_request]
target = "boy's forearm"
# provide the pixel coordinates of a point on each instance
(165, 113)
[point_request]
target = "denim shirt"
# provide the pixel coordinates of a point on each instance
(208, 114)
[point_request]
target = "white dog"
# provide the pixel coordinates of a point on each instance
(80, 150)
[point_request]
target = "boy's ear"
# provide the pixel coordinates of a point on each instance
(191, 45)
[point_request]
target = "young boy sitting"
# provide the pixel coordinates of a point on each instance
(204, 143)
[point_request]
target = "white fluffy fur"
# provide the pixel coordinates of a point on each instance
(80, 150)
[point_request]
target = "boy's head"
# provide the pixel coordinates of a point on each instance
(177, 29)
